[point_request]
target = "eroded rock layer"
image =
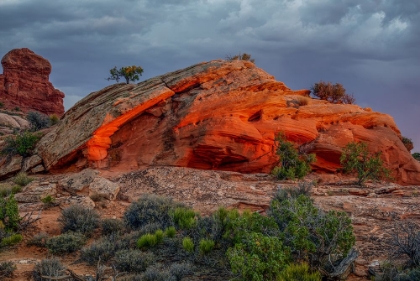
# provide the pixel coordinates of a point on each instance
(218, 115)
(25, 83)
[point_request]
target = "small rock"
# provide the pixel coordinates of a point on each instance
(38, 169)
(31, 162)
(78, 182)
(11, 167)
(104, 188)
(34, 192)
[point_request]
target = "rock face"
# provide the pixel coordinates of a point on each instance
(218, 115)
(25, 83)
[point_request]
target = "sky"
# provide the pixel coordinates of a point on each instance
(372, 47)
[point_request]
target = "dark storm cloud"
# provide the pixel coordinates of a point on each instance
(370, 46)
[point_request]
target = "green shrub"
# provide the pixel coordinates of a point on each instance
(112, 226)
(313, 236)
(159, 235)
(11, 240)
(9, 213)
(416, 155)
(332, 93)
(170, 232)
(150, 209)
(7, 268)
(37, 120)
(239, 228)
(292, 163)
(188, 244)
(39, 240)
(184, 217)
(133, 260)
(48, 268)
(258, 257)
(22, 179)
(21, 144)
(147, 240)
(79, 219)
(298, 272)
(48, 201)
(357, 159)
(206, 246)
(65, 243)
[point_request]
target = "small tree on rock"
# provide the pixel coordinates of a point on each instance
(129, 73)
(243, 56)
(332, 93)
(292, 163)
(357, 159)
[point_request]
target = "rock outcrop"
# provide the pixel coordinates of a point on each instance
(25, 83)
(218, 115)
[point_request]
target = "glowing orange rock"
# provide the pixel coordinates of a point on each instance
(216, 115)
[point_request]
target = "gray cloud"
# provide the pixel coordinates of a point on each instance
(370, 46)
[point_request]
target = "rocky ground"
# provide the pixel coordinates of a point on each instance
(375, 209)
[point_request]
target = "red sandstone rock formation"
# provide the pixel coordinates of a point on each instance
(217, 115)
(25, 83)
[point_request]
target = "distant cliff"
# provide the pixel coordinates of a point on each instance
(25, 83)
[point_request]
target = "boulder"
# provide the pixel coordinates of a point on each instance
(31, 162)
(217, 115)
(25, 83)
(104, 188)
(79, 181)
(10, 166)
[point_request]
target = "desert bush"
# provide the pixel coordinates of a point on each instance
(206, 246)
(357, 159)
(156, 273)
(39, 240)
(133, 260)
(7, 268)
(54, 119)
(112, 226)
(150, 209)
(406, 242)
(49, 268)
(298, 272)
(416, 155)
(9, 213)
(102, 250)
(239, 228)
(258, 257)
(314, 236)
(10, 240)
(22, 179)
(292, 164)
(21, 144)
(37, 120)
(79, 219)
(241, 56)
(188, 244)
(184, 218)
(332, 93)
(68, 242)
(408, 143)
(179, 270)
(8, 190)
(49, 201)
